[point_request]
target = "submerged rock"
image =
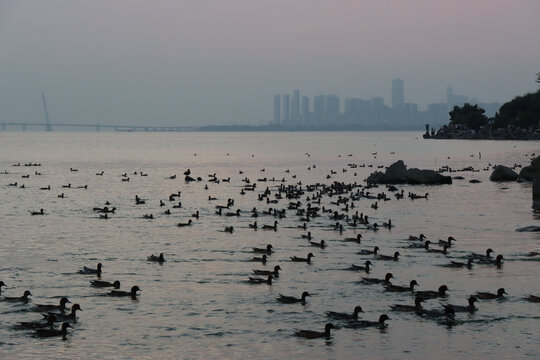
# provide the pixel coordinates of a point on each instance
(397, 173)
(503, 173)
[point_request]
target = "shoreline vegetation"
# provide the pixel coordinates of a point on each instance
(518, 119)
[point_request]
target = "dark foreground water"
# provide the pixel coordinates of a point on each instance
(198, 303)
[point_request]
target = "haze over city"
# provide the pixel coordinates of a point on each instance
(221, 62)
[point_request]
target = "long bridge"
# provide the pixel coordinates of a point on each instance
(49, 126)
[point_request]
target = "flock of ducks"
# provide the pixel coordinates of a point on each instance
(305, 202)
(60, 313)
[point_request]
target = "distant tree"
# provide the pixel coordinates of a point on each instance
(468, 116)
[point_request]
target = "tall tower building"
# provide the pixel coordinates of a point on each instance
(305, 108)
(277, 109)
(398, 98)
(318, 108)
(286, 108)
(295, 106)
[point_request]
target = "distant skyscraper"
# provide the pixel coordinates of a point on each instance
(305, 108)
(318, 108)
(332, 108)
(449, 96)
(398, 97)
(286, 108)
(295, 106)
(277, 109)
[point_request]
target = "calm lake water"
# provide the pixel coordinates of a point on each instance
(198, 303)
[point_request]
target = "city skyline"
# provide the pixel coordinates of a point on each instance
(374, 112)
(138, 62)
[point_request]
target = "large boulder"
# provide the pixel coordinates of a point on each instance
(397, 173)
(526, 174)
(430, 177)
(503, 173)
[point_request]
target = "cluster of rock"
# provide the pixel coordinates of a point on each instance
(453, 131)
(504, 173)
(397, 173)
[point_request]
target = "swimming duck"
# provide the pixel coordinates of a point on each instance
(268, 280)
(415, 238)
(37, 324)
(439, 251)
(274, 273)
(417, 307)
(357, 239)
(237, 213)
(482, 256)
(366, 323)
(311, 334)
(71, 317)
(365, 268)
(448, 242)
(306, 236)
(195, 215)
(40, 212)
(267, 250)
(185, 224)
(262, 259)
(321, 244)
(270, 227)
(2, 284)
(132, 293)
(292, 300)
(87, 270)
(369, 252)
(253, 226)
(299, 259)
(488, 296)
(385, 281)
(436, 313)
(53, 332)
(425, 245)
(101, 283)
(464, 308)
(345, 316)
(429, 294)
(498, 261)
(62, 307)
(155, 258)
(23, 298)
(533, 298)
(398, 288)
(388, 257)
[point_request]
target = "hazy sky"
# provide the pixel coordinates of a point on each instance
(200, 62)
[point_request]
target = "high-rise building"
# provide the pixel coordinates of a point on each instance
(398, 96)
(305, 109)
(332, 108)
(286, 108)
(318, 108)
(295, 106)
(277, 109)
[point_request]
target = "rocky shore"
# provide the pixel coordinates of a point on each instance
(484, 133)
